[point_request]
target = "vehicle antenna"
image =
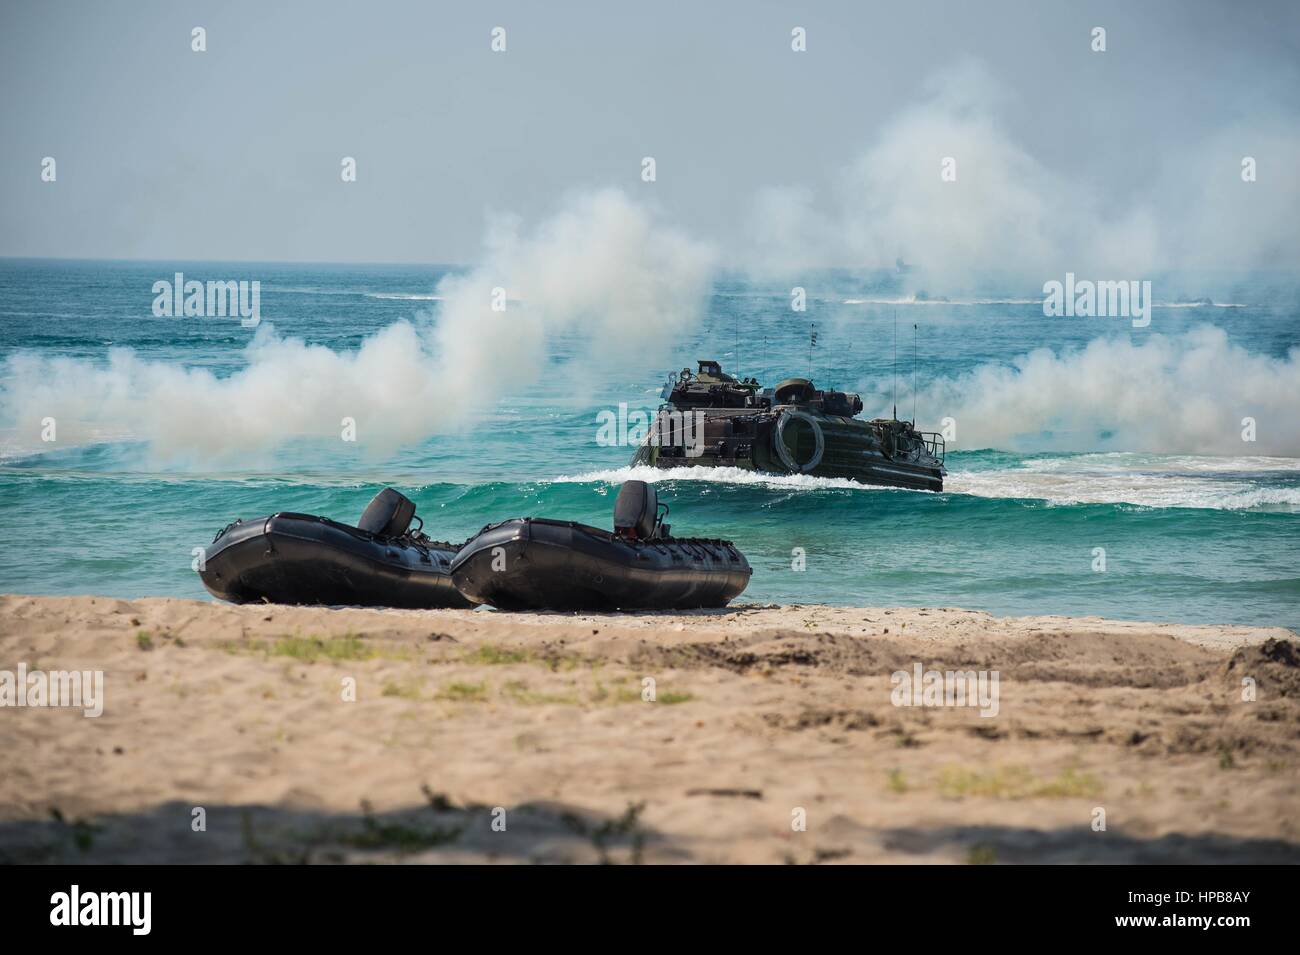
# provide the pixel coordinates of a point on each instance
(914, 376)
(812, 340)
(895, 364)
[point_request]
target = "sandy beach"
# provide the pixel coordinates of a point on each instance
(317, 735)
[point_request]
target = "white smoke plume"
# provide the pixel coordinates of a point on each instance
(1185, 394)
(604, 268)
(1008, 212)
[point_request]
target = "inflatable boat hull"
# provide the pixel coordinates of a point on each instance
(537, 564)
(300, 559)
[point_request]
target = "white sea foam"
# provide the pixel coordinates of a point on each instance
(913, 300)
(716, 476)
(310, 290)
(1198, 305)
(356, 293)
(1146, 489)
(1177, 464)
(1075, 479)
(1145, 479)
(972, 302)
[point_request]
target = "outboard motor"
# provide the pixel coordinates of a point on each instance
(636, 511)
(388, 514)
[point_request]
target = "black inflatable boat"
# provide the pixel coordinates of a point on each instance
(537, 564)
(300, 559)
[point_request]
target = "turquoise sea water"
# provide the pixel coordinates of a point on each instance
(1196, 525)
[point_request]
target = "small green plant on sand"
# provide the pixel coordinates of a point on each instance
(397, 835)
(1226, 760)
(464, 692)
(981, 855)
(670, 697)
(492, 655)
(627, 825)
(896, 782)
(517, 691)
(348, 647)
(1015, 782)
(405, 691)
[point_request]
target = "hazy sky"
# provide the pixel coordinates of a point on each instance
(235, 153)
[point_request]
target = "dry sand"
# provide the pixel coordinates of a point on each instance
(463, 717)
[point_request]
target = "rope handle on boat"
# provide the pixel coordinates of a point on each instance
(222, 533)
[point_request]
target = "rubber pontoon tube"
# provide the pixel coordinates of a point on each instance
(783, 452)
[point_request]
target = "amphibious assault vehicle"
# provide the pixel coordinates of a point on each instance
(712, 419)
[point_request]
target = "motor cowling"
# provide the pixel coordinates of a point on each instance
(388, 514)
(636, 510)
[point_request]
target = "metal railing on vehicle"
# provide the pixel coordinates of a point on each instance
(934, 443)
